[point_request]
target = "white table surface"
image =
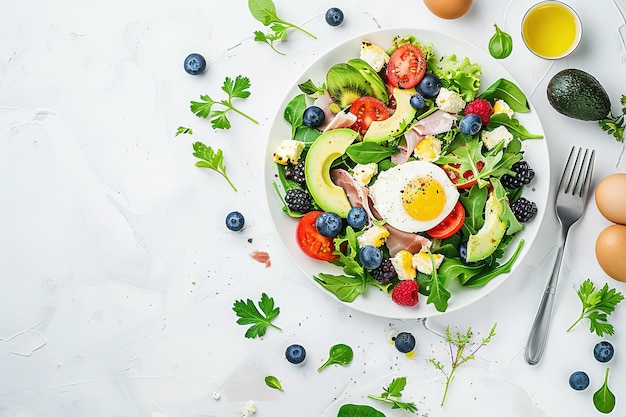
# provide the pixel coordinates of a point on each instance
(118, 275)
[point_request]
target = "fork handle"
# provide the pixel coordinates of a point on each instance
(539, 330)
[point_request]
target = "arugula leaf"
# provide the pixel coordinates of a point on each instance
(211, 159)
(474, 203)
(310, 89)
(260, 320)
(369, 152)
(614, 125)
(485, 276)
(235, 89)
(183, 131)
(392, 394)
(597, 305)
(513, 126)
(439, 294)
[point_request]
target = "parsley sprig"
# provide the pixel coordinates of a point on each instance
(211, 159)
(260, 320)
(458, 342)
(392, 395)
(614, 125)
(239, 88)
(597, 305)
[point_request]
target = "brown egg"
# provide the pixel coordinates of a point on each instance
(611, 251)
(611, 198)
(448, 9)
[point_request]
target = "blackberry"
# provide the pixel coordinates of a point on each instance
(299, 200)
(523, 175)
(385, 273)
(296, 173)
(523, 209)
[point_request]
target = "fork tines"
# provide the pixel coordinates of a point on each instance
(578, 163)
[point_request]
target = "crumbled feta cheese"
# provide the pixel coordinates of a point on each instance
(250, 408)
(421, 262)
(403, 264)
(364, 173)
(493, 137)
(288, 151)
(375, 236)
(216, 395)
(374, 55)
(500, 106)
(450, 101)
(428, 149)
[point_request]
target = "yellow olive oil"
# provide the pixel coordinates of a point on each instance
(551, 29)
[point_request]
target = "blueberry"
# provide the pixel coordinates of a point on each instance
(463, 252)
(429, 86)
(470, 124)
(313, 116)
(295, 353)
(370, 256)
(334, 16)
(603, 351)
(235, 221)
(405, 342)
(357, 217)
(417, 101)
(195, 64)
(328, 224)
(579, 380)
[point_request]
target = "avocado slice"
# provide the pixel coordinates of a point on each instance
(397, 123)
(372, 78)
(486, 240)
(577, 94)
(328, 146)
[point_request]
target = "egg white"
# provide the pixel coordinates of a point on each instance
(387, 192)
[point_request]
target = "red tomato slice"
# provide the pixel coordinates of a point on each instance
(367, 109)
(406, 66)
(311, 242)
(450, 225)
(462, 180)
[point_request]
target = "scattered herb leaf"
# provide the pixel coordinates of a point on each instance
(597, 305)
(211, 159)
(339, 354)
(614, 125)
(604, 399)
(311, 90)
(500, 44)
(260, 320)
(358, 410)
(183, 131)
(273, 382)
(392, 395)
(458, 342)
(239, 88)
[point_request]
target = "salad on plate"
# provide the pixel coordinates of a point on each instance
(404, 172)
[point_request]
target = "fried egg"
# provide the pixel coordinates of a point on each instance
(414, 196)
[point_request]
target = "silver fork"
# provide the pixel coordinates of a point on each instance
(571, 199)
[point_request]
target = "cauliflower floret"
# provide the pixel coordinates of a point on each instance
(375, 236)
(288, 151)
(403, 264)
(428, 149)
(364, 173)
(450, 101)
(421, 262)
(493, 137)
(373, 55)
(500, 106)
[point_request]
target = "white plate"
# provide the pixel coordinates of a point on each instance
(374, 301)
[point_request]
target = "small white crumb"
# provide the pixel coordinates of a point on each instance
(216, 395)
(250, 408)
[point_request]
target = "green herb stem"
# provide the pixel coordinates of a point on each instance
(296, 27)
(243, 114)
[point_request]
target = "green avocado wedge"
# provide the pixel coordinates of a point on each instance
(397, 123)
(327, 147)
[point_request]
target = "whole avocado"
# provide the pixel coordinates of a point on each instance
(577, 94)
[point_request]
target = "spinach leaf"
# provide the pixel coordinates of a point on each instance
(294, 111)
(500, 44)
(358, 410)
(307, 135)
(273, 382)
(369, 152)
(474, 203)
(513, 125)
(604, 399)
(340, 354)
(509, 92)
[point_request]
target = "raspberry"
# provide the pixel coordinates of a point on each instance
(385, 273)
(480, 107)
(405, 293)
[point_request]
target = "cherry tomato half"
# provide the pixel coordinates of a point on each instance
(406, 66)
(450, 225)
(311, 241)
(462, 180)
(367, 109)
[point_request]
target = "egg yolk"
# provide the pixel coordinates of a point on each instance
(423, 198)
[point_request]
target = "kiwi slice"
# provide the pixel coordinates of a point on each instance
(372, 78)
(345, 84)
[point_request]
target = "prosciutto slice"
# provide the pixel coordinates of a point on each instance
(341, 120)
(433, 124)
